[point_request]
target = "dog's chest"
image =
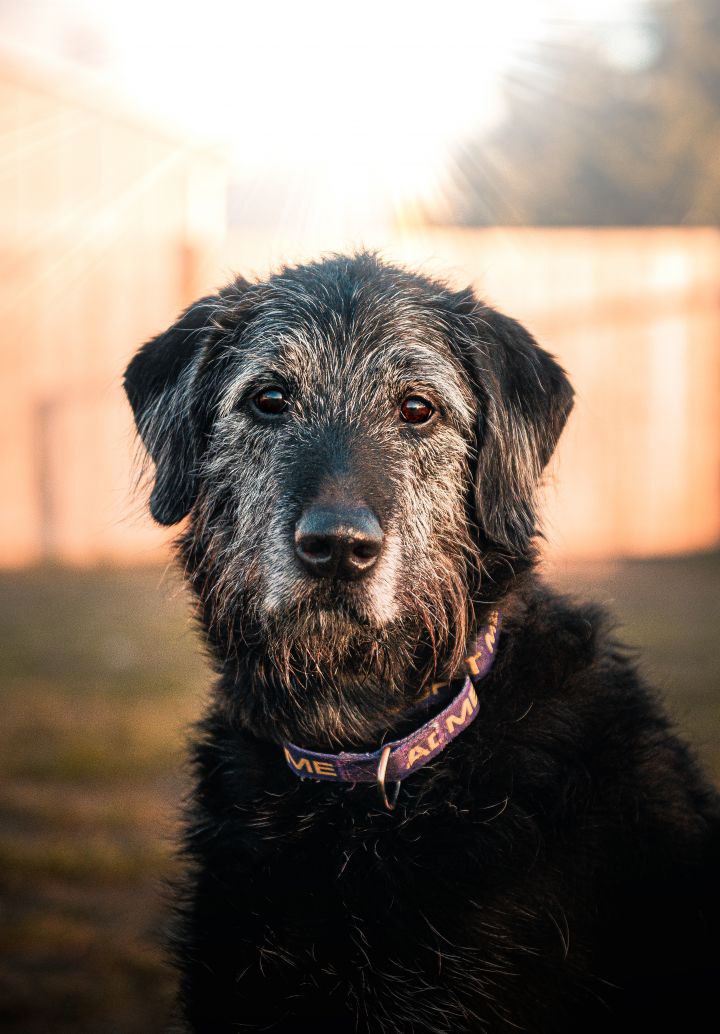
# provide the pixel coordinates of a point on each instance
(420, 907)
(404, 882)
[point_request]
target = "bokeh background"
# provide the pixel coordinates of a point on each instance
(562, 157)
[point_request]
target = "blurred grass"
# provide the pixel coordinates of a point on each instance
(101, 675)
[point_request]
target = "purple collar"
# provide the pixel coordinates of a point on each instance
(398, 759)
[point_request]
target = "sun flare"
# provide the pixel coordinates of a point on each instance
(348, 115)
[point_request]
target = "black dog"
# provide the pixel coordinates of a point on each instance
(358, 450)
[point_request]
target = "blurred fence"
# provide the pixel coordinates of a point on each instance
(109, 226)
(105, 226)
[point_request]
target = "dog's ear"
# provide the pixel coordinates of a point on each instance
(166, 383)
(158, 383)
(524, 398)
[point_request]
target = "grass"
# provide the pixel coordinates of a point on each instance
(101, 676)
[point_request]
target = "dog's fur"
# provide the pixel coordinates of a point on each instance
(552, 869)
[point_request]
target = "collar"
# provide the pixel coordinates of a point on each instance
(398, 759)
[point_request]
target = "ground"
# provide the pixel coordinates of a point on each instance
(102, 674)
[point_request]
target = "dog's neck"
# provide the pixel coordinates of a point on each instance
(433, 730)
(336, 709)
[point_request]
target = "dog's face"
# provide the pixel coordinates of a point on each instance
(352, 442)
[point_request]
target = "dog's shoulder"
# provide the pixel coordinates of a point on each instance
(574, 693)
(555, 635)
(570, 652)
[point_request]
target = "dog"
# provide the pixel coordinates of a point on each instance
(431, 794)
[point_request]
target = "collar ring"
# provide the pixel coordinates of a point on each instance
(388, 800)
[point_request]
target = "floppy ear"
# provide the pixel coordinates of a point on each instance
(524, 400)
(168, 383)
(158, 383)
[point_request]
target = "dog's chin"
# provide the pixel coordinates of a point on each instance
(327, 606)
(341, 622)
(327, 673)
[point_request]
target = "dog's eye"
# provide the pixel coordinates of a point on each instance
(416, 410)
(271, 401)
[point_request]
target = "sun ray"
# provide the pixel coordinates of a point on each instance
(337, 118)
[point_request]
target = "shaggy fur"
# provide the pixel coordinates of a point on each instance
(553, 869)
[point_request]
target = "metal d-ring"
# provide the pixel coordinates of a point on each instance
(389, 802)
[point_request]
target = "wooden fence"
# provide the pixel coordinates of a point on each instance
(106, 226)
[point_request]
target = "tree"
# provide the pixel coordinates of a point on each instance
(586, 141)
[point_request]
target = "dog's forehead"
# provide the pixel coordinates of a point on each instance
(377, 340)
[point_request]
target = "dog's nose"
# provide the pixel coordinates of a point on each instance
(338, 543)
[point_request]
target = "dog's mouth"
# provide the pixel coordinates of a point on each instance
(340, 601)
(346, 611)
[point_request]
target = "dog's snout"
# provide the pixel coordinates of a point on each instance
(338, 543)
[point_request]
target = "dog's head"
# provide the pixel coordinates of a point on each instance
(354, 444)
